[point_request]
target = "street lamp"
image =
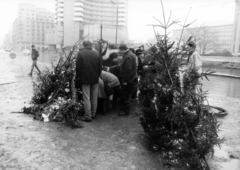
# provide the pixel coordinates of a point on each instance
(116, 22)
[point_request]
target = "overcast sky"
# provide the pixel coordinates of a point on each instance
(141, 13)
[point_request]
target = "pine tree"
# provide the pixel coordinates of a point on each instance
(174, 117)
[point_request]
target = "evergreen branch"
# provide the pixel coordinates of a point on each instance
(169, 19)
(183, 27)
(159, 22)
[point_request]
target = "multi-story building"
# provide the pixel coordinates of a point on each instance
(74, 19)
(236, 29)
(30, 26)
(220, 35)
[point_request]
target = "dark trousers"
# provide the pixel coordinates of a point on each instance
(116, 93)
(134, 92)
(126, 91)
(103, 104)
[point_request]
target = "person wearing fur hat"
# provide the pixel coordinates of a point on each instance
(195, 60)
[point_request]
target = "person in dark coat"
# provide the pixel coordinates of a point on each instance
(89, 68)
(128, 73)
(34, 55)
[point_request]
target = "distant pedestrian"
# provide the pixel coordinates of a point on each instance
(89, 68)
(34, 55)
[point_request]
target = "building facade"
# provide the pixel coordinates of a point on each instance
(30, 26)
(76, 18)
(236, 29)
(220, 35)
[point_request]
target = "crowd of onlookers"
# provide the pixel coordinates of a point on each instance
(118, 68)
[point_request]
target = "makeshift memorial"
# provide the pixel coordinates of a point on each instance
(55, 95)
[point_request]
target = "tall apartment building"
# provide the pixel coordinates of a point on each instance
(236, 29)
(222, 35)
(30, 26)
(74, 19)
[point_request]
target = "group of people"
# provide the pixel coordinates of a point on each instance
(120, 70)
(120, 73)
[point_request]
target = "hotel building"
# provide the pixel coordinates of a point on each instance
(77, 18)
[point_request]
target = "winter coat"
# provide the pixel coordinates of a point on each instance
(195, 61)
(128, 70)
(111, 80)
(35, 54)
(88, 66)
(101, 92)
(115, 70)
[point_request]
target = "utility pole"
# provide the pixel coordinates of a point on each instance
(116, 23)
(100, 42)
(101, 32)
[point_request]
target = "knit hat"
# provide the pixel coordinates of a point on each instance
(191, 44)
(123, 47)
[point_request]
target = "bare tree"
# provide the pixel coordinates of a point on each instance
(205, 38)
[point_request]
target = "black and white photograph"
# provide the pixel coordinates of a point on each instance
(120, 85)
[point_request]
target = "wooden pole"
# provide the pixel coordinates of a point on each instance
(100, 42)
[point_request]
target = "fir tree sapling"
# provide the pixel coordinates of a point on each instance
(174, 117)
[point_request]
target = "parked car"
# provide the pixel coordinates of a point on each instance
(7, 50)
(26, 52)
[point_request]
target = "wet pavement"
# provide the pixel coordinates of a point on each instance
(109, 142)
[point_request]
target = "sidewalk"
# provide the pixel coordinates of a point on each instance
(109, 142)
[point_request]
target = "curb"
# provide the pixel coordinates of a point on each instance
(224, 75)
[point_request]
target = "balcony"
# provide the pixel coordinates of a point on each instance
(78, 19)
(121, 19)
(78, 14)
(60, 14)
(60, 10)
(122, 14)
(122, 10)
(78, 4)
(121, 24)
(60, 19)
(78, 9)
(60, 5)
